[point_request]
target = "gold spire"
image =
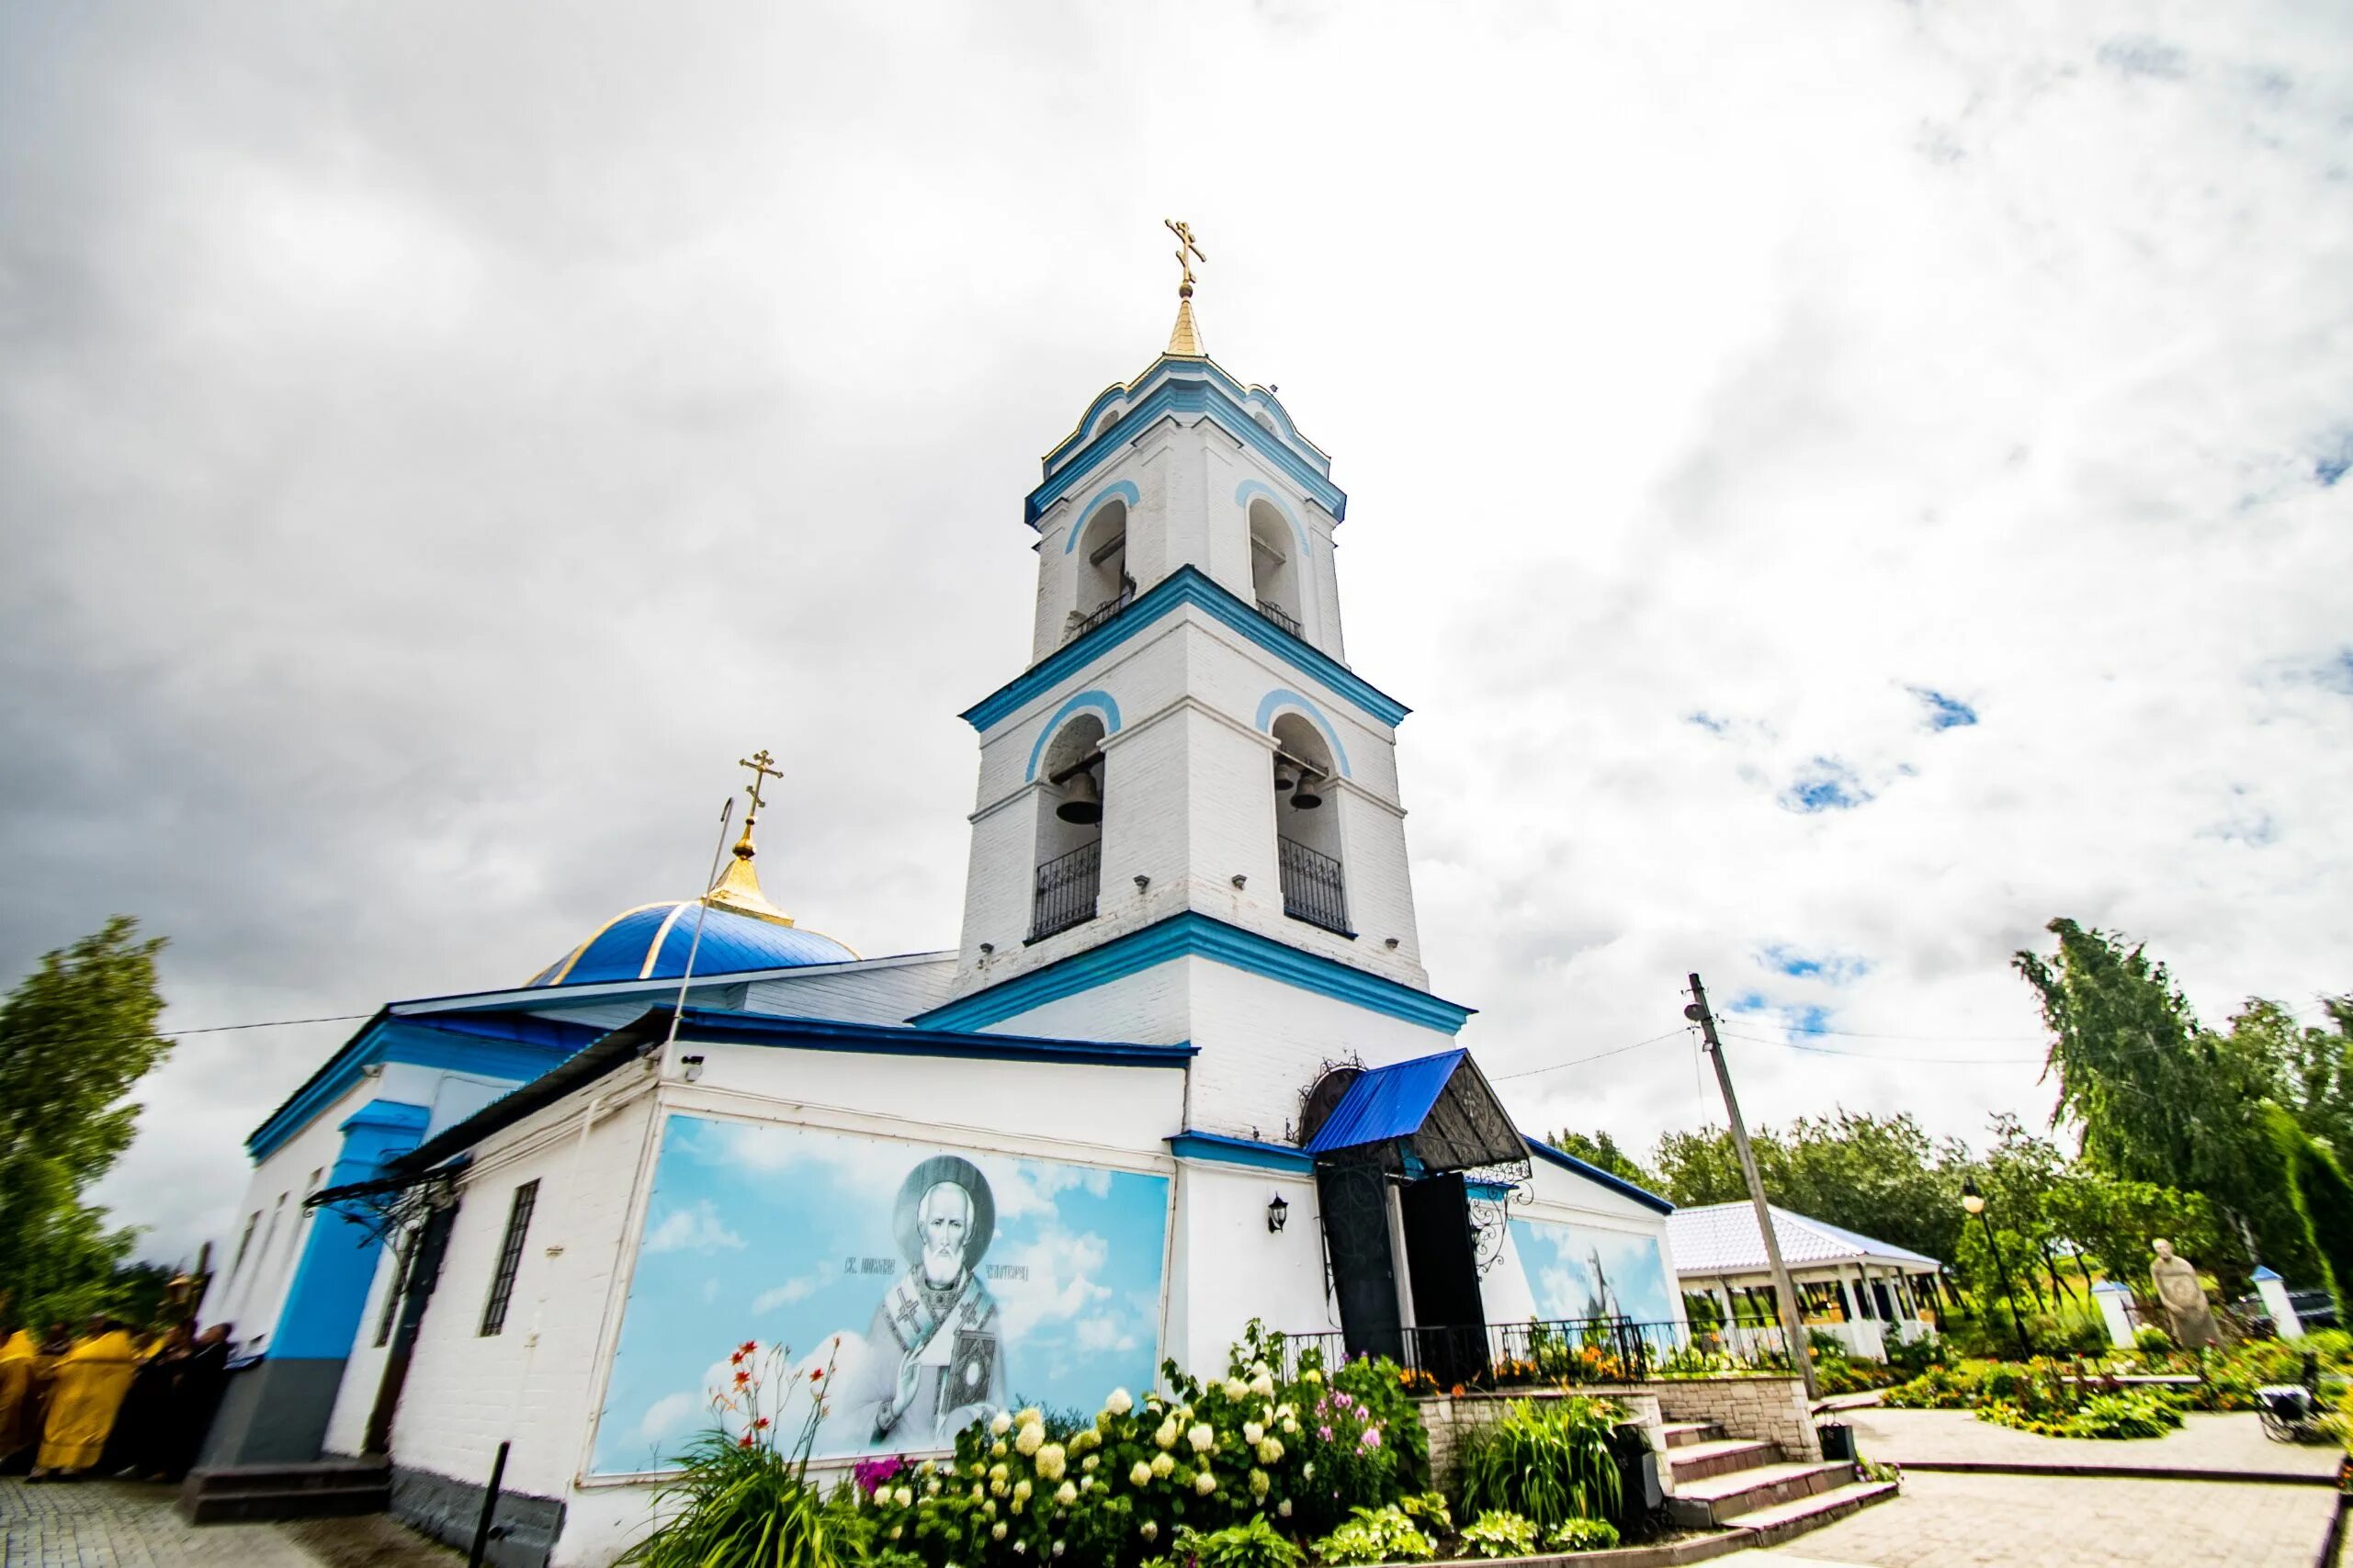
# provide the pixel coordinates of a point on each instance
(1184, 340)
(738, 887)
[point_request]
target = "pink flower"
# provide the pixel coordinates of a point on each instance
(1372, 1437)
(1325, 1432)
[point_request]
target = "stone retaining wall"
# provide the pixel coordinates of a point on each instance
(1755, 1408)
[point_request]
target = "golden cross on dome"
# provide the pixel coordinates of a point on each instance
(1187, 253)
(762, 769)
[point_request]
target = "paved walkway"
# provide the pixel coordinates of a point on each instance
(120, 1524)
(2020, 1521)
(2204, 1442)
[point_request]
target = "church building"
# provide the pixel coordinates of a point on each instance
(1184, 1070)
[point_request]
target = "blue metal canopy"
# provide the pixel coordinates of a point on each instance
(1438, 1108)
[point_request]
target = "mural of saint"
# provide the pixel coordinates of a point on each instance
(935, 1358)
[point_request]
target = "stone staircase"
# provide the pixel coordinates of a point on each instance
(317, 1490)
(1724, 1483)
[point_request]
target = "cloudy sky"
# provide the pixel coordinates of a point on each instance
(1841, 483)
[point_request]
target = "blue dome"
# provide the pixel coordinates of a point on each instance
(650, 943)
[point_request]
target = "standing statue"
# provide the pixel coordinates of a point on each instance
(2182, 1299)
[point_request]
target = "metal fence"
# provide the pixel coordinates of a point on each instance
(1551, 1353)
(1276, 614)
(1313, 890)
(1066, 887)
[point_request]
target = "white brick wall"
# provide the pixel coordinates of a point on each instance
(1222, 1240)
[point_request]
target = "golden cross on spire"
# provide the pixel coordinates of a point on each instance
(1187, 253)
(762, 769)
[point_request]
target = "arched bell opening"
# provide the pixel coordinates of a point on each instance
(1103, 587)
(1071, 776)
(1307, 827)
(1274, 567)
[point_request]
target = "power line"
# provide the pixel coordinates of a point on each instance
(1581, 1061)
(1869, 1035)
(270, 1024)
(1885, 1057)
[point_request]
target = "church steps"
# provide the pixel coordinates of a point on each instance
(1702, 1460)
(1720, 1498)
(318, 1489)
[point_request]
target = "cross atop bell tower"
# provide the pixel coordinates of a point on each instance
(1188, 812)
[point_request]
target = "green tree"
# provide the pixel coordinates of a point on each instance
(1601, 1152)
(75, 1036)
(2116, 1222)
(2156, 1098)
(2323, 1201)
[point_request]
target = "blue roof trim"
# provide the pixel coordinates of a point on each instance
(716, 1026)
(1619, 1184)
(1186, 585)
(1219, 1149)
(493, 1045)
(1190, 934)
(1386, 1103)
(1181, 397)
(1174, 368)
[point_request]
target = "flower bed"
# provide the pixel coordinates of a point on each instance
(1248, 1471)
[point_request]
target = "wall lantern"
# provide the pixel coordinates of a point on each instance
(691, 1068)
(1277, 1212)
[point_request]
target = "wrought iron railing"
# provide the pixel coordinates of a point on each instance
(1276, 612)
(1108, 610)
(1549, 1353)
(1066, 887)
(1313, 889)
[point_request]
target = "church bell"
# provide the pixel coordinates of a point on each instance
(1286, 775)
(1081, 801)
(1305, 798)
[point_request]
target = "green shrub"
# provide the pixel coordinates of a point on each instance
(1376, 1535)
(1584, 1535)
(2152, 1340)
(1254, 1545)
(2132, 1413)
(1499, 1534)
(1547, 1461)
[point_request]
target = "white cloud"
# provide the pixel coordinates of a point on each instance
(697, 1228)
(798, 1289)
(1997, 351)
(668, 1416)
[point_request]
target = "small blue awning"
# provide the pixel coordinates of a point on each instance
(1439, 1108)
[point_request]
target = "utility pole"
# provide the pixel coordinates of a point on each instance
(1784, 1295)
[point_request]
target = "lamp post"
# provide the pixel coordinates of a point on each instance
(1975, 1202)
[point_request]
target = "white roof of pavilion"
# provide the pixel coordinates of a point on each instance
(1717, 1240)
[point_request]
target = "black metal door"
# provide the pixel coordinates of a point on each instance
(424, 1274)
(1441, 1261)
(1353, 1192)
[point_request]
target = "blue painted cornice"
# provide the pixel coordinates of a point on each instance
(1219, 1149)
(1186, 585)
(1183, 386)
(495, 1044)
(1188, 934)
(1594, 1173)
(716, 1027)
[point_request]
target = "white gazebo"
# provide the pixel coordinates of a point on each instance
(1852, 1287)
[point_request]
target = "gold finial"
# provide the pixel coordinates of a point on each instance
(739, 889)
(1184, 341)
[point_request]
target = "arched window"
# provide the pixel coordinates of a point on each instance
(1274, 567)
(1070, 829)
(1307, 827)
(1103, 587)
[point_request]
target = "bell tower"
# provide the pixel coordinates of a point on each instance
(1188, 826)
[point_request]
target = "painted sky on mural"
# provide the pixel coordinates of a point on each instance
(1560, 1263)
(1840, 483)
(786, 1238)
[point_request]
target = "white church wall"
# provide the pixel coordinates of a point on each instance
(363, 1374)
(530, 1384)
(1264, 1042)
(1148, 1007)
(1325, 569)
(1050, 1106)
(1234, 1270)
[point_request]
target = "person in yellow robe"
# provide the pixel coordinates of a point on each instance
(90, 1383)
(18, 1432)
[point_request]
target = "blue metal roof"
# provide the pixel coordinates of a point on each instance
(1386, 1103)
(624, 947)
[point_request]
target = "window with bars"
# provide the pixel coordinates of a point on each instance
(393, 1287)
(510, 1257)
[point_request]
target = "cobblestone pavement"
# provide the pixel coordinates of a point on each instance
(120, 1524)
(2204, 1442)
(2023, 1521)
